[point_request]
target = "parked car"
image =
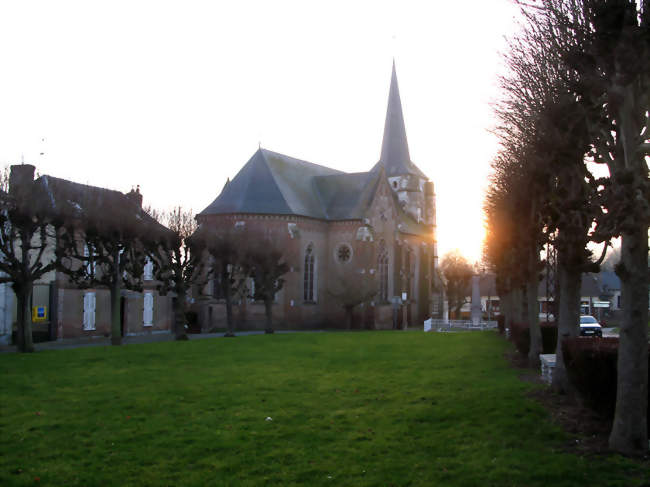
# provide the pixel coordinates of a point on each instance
(590, 327)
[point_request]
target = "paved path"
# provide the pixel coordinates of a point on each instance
(128, 340)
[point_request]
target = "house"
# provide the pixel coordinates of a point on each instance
(610, 287)
(336, 229)
(60, 308)
(591, 302)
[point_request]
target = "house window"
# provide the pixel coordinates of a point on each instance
(310, 275)
(618, 301)
(89, 311)
(217, 288)
(250, 284)
(148, 269)
(147, 313)
(382, 266)
(90, 261)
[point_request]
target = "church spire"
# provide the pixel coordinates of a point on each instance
(394, 148)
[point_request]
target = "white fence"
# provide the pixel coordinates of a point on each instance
(449, 325)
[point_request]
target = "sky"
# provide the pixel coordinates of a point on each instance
(176, 96)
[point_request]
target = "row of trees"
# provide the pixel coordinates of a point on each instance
(577, 92)
(103, 238)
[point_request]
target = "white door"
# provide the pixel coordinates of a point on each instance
(147, 314)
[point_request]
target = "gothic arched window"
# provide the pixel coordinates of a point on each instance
(382, 267)
(310, 275)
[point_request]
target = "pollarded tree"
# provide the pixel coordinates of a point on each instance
(457, 272)
(265, 264)
(516, 196)
(353, 279)
(225, 248)
(27, 242)
(102, 240)
(540, 107)
(607, 43)
(178, 260)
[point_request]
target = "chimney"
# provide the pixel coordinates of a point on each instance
(21, 178)
(135, 196)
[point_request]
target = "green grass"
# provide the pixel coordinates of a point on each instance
(348, 409)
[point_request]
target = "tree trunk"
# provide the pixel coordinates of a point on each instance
(506, 309)
(568, 321)
(349, 316)
(268, 311)
(629, 432)
(179, 314)
(227, 293)
(116, 324)
(533, 309)
(24, 318)
(533, 323)
(517, 306)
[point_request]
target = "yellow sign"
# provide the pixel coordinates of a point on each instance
(39, 313)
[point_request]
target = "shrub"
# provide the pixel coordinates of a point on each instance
(591, 365)
(192, 319)
(501, 324)
(520, 334)
(38, 336)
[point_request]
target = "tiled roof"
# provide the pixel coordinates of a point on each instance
(75, 200)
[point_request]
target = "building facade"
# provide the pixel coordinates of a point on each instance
(371, 235)
(60, 308)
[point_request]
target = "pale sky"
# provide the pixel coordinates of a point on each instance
(176, 95)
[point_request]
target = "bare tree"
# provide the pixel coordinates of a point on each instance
(457, 272)
(265, 263)
(27, 232)
(225, 247)
(178, 260)
(353, 282)
(606, 43)
(102, 242)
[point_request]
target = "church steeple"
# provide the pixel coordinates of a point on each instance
(394, 148)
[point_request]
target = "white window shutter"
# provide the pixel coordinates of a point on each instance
(315, 278)
(86, 312)
(125, 275)
(147, 314)
(89, 311)
(148, 269)
(93, 306)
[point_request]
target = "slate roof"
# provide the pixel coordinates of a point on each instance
(588, 286)
(273, 184)
(609, 281)
(346, 196)
(395, 157)
(76, 200)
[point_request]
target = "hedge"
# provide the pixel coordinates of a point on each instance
(501, 323)
(520, 335)
(591, 365)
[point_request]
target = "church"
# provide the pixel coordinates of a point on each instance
(363, 240)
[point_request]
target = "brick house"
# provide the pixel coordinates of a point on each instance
(335, 226)
(71, 312)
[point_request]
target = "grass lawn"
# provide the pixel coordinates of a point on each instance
(355, 409)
